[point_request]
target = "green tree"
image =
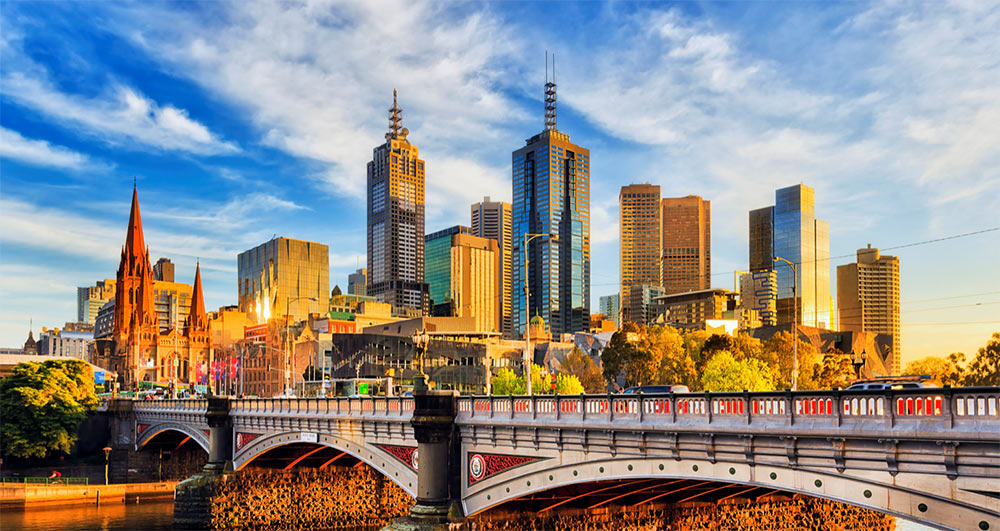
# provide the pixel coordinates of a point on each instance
(623, 357)
(777, 353)
(42, 406)
(835, 370)
(985, 367)
(540, 383)
(568, 384)
(580, 365)
(506, 382)
(943, 371)
(724, 372)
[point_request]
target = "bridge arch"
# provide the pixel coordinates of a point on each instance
(400, 473)
(150, 432)
(878, 491)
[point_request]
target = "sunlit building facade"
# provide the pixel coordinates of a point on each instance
(687, 244)
(284, 275)
(395, 193)
(639, 245)
(492, 219)
(89, 300)
(790, 230)
(868, 298)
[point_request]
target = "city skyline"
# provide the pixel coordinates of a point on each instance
(220, 173)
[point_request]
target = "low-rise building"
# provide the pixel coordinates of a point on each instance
(66, 343)
(695, 307)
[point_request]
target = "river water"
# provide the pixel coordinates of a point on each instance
(153, 515)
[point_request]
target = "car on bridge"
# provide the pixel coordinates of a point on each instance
(656, 389)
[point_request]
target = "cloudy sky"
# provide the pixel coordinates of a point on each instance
(243, 120)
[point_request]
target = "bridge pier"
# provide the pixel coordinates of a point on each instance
(193, 496)
(438, 488)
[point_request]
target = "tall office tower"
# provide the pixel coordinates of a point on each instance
(791, 231)
(396, 221)
(89, 300)
(608, 305)
(357, 282)
(282, 276)
(163, 270)
(463, 274)
(551, 185)
(868, 298)
(491, 219)
(687, 244)
(639, 255)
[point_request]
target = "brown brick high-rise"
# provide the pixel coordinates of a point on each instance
(687, 244)
(639, 258)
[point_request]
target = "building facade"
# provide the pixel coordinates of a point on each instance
(357, 282)
(791, 231)
(463, 274)
(695, 307)
(687, 244)
(89, 300)
(69, 343)
(437, 268)
(868, 298)
(163, 270)
(609, 306)
(492, 219)
(640, 230)
(642, 302)
(282, 276)
(396, 221)
(551, 196)
(759, 294)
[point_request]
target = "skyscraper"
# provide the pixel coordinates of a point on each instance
(608, 305)
(463, 273)
(89, 300)
(491, 219)
(687, 244)
(868, 298)
(639, 257)
(357, 282)
(284, 275)
(551, 196)
(396, 221)
(437, 266)
(790, 230)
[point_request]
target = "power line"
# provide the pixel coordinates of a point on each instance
(953, 323)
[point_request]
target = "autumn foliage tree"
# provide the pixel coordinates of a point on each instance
(724, 372)
(578, 364)
(42, 406)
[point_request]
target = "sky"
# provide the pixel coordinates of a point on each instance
(243, 120)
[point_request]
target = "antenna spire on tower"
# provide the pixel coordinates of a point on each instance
(550, 94)
(395, 119)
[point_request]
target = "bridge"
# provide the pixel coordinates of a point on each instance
(930, 455)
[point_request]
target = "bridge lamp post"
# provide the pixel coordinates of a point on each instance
(529, 355)
(107, 455)
(290, 374)
(420, 341)
(795, 323)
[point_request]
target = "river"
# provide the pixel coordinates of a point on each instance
(154, 515)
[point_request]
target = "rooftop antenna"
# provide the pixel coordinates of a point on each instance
(395, 118)
(550, 94)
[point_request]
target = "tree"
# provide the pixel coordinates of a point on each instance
(585, 370)
(835, 370)
(507, 383)
(623, 357)
(985, 367)
(568, 384)
(42, 406)
(943, 371)
(676, 366)
(726, 373)
(777, 353)
(717, 343)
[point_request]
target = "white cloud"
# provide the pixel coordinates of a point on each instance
(42, 153)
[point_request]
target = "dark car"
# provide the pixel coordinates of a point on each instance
(880, 386)
(656, 389)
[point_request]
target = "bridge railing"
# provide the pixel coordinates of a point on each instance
(186, 405)
(379, 406)
(951, 406)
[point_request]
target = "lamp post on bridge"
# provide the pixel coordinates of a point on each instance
(795, 323)
(529, 354)
(420, 341)
(290, 373)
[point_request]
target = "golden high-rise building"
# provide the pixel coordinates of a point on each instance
(396, 221)
(640, 230)
(491, 219)
(868, 298)
(687, 244)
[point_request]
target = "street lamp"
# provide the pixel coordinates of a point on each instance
(107, 454)
(288, 337)
(420, 341)
(795, 323)
(529, 355)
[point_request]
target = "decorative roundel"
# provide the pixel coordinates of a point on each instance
(415, 460)
(477, 467)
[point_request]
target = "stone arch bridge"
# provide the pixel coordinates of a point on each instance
(930, 455)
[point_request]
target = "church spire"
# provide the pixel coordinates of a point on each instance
(135, 245)
(198, 321)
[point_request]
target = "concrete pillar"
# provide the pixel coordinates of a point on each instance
(434, 428)
(220, 453)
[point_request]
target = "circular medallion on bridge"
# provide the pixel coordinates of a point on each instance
(415, 460)
(477, 467)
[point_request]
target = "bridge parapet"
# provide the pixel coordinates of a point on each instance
(381, 407)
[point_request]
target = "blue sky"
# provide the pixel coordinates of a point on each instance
(242, 120)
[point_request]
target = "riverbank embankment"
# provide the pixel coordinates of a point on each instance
(24, 495)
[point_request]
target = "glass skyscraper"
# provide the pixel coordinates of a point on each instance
(551, 195)
(791, 231)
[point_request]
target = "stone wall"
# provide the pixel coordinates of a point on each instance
(129, 466)
(335, 498)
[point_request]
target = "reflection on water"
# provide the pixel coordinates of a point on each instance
(150, 515)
